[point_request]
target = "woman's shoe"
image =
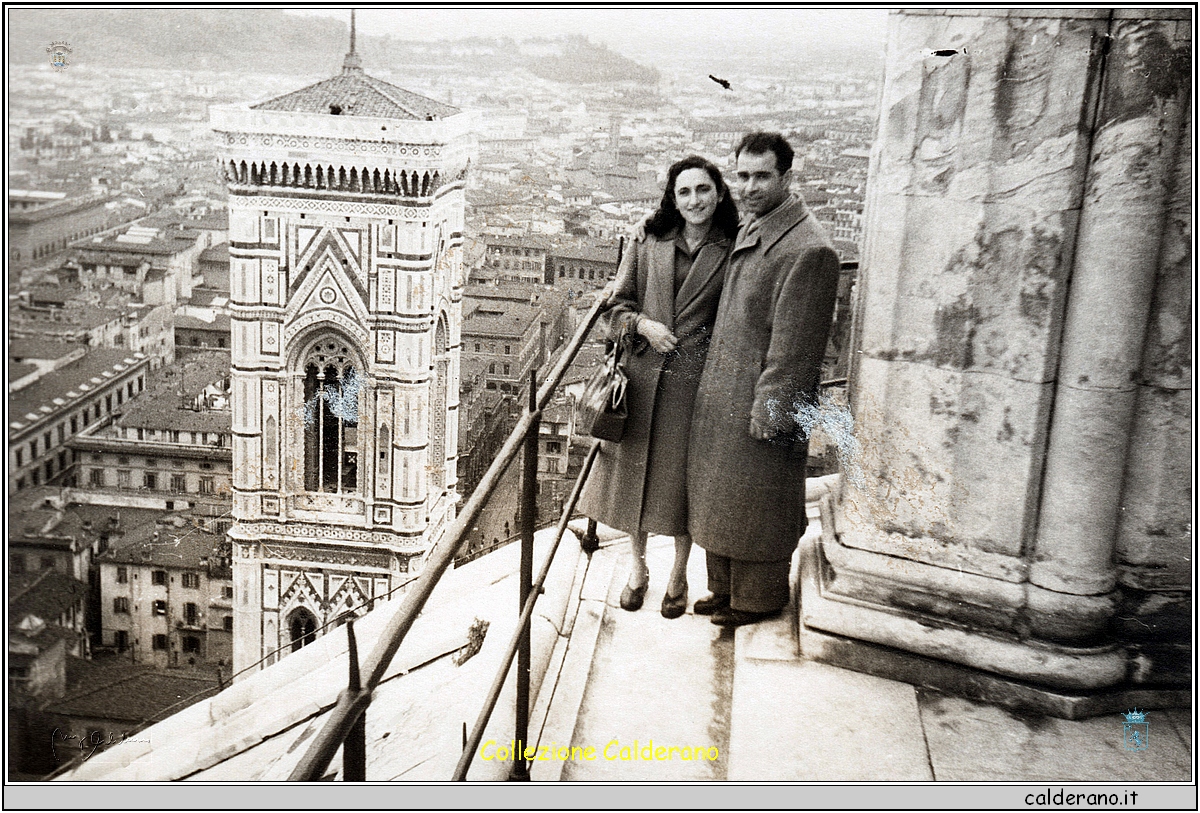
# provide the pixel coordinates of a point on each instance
(674, 606)
(632, 597)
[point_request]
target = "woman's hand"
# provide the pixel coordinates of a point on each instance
(660, 338)
(608, 295)
(639, 229)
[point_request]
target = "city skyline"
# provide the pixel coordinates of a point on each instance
(649, 34)
(214, 210)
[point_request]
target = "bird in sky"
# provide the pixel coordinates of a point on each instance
(722, 82)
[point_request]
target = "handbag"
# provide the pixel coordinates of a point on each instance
(602, 408)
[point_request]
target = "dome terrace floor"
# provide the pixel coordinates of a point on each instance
(606, 678)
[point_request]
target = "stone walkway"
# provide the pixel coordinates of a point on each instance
(772, 715)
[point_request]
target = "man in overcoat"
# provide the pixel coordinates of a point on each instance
(748, 445)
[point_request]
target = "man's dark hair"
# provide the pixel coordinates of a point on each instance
(761, 143)
(667, 217)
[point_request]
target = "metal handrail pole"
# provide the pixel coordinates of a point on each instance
(354, 750)
(321, 752)
(554, 377)
(350, 705)
(442, 554)
(520, 768)
(493, 695)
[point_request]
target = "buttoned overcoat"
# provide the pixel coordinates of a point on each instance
(746, 496)
(641, 482)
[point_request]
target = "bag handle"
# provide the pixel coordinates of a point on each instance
(618, 344)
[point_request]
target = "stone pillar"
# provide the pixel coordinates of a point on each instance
(1073, 571)
(1154, 533)
(1019, 193)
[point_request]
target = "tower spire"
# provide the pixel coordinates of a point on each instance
(352, 63)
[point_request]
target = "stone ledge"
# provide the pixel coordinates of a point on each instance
(933, 578)
(558, 702)
(975, 684)
(838, 631)
(1063, 667)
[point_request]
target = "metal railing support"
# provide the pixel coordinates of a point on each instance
(590, 541)
(316, 760)
(349, 704)
(520, 768)
(489, 703)
(354, 750)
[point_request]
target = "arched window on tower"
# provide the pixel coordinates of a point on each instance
(331, 388)
(303, 628)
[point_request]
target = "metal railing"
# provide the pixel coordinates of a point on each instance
(346, 724)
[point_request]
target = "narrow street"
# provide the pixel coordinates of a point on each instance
(498, 520)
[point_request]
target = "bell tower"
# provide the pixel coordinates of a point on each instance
(346, 282)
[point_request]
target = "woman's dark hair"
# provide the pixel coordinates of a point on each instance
(667, 217)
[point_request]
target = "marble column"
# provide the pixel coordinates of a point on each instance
(1130, 180)
(1020, 204)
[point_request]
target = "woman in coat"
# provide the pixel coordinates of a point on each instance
(663, 305)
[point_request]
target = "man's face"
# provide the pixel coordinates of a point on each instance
(760, 186)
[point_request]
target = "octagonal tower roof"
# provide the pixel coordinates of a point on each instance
(354, 93)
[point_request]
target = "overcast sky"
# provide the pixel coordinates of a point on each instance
(634, 32)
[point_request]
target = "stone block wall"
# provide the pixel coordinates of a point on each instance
(1021, 358)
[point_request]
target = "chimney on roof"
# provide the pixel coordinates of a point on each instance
(352, 62)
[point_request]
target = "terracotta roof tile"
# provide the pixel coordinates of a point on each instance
(48, 596)
(140, 694)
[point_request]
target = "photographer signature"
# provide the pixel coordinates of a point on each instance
(94, 740)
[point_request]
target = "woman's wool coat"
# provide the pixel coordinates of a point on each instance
(640, 482)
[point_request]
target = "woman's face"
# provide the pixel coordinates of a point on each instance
(696, 196)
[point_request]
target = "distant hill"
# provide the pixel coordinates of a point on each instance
(191, 39)
(270, 41)
(576, 60)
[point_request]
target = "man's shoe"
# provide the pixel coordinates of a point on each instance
(674, 606)
(632, 597)
(737, 618)
(710, 604)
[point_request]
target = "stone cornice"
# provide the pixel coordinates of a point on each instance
(310, 204)
(344, 538)
(336, 133)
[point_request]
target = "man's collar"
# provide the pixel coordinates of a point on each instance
(774, 224)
